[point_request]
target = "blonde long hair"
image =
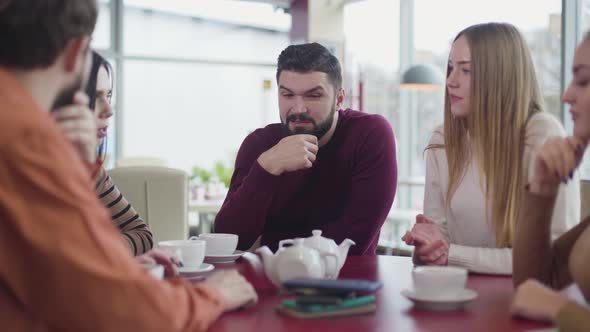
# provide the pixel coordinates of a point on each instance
(504, 95)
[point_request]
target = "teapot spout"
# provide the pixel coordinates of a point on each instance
(343, 251)
(268, 262)
(265, 253)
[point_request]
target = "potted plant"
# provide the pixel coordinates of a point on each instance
(212, 184)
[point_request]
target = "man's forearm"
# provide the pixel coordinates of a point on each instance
(245, 208)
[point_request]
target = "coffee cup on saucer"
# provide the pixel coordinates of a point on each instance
(155, 270)
(439, 282)
(219, 244)
(191, 252)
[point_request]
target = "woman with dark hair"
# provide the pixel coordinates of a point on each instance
(100, 90)
(79, 127)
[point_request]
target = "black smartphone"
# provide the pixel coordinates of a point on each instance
(339, 287)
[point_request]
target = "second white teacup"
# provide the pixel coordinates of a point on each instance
(439, 281)
(192, 251)
(219, 244)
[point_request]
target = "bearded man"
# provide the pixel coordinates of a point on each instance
(321, 168)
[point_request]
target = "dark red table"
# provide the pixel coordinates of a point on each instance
(488, 312)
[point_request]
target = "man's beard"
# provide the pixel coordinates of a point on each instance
(66, 95)
(318, 130)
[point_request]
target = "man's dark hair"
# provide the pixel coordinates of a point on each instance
(305, 58)
(34, 32)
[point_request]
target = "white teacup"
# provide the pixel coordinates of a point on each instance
(219, 244)
(192, 251)
(155, 270)
(439, 281)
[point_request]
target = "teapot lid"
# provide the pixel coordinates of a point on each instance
(317, 241)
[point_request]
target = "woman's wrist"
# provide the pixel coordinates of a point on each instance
(542, 190)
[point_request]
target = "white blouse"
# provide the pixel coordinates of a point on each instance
(466, 222)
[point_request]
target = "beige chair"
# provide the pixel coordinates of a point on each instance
(141, 161)
(159, 195)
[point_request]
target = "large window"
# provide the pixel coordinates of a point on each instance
(101, 39)
(193, 114)
(186, 30)
(192, 78)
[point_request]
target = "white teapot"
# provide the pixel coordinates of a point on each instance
(295, 261)
(325, 245)
(315, 257)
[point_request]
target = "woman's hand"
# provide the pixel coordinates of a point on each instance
(535, 301)
(79, 125)
(554, 162)
(168, 259)
(431, 245)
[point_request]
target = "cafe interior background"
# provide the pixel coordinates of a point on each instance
(194, 77)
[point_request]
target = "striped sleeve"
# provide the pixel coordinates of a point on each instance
(134, 229)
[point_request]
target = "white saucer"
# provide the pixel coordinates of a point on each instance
(191, 270)
(440, 304)
(224, 259)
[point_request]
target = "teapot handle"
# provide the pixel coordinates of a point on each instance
(283, 242)
(334, 273)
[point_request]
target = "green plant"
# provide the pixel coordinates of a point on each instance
(201, 173)
(220, 170)
(224, 173)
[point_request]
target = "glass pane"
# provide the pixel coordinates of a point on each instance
(583, 29)
(194, 114)
(101, 39)
(541, 28)
(584, 18)
(205, 30)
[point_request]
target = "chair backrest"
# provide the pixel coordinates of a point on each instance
(140, 161)
(160, 197)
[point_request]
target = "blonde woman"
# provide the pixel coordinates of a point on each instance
(477, 162)
(563, 261)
